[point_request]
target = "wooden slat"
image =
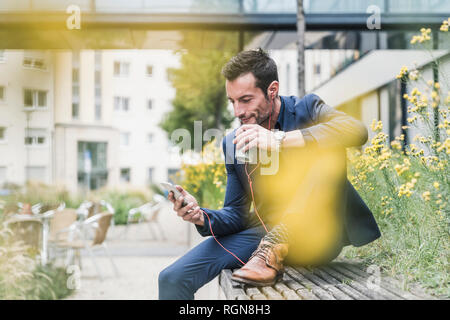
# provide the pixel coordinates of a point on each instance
(331, 288)
(386, 283)
(341, 286)
(252, 291)
(388, 295)
(361, 288)
(231, 293)
(300, 290)
(341, 280)
(412, 288)
(318, 291)
(271, 293)
(286, 292)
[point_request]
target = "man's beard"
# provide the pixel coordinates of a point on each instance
(258, 118)
(264, 118)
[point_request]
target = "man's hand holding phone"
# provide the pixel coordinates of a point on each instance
(190, 212)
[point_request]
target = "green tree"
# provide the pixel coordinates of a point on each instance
(200, 86)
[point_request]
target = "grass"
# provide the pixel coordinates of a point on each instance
(21, 278)
(121, 200)
(414, 245)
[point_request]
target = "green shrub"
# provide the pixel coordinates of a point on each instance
(407, 186)
(122, 201)
(21, 278)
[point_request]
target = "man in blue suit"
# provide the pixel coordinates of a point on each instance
(285, 228)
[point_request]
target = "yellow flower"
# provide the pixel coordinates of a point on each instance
(376, 126)
(411, 119)
(413, 75)
(434, 94)
(403, 72)
(426, 195)
(436, 185)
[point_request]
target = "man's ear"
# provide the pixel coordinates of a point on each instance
(272, 90)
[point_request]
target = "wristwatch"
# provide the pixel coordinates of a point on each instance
(279, 137)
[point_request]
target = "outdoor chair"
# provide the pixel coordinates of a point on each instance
(90, 208)
(148, 214)
(49, 207)
(35, 209)
(85, 210)
(79, 238)
(32, 228)
(61, 221)
(29, 232)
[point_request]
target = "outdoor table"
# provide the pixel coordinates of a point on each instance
(44, 218)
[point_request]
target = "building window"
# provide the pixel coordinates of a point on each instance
(75, 110)
(151, 172)
(125, 175)
(125, 139)
(36, 173)
(34, 98)
(35, 137)
(2, 93)
(121, 69)
(75, 84)
(317, 69)
(149, 71)
(121, 104)
(34, 63)
(149, 104)
(75, 75)
(150, 137)
(2, 134)
(92, 164)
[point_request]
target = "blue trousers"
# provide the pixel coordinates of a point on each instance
(201, 264)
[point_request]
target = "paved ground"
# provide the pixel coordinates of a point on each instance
(139, 258)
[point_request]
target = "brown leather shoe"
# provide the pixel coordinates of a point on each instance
(264, 266)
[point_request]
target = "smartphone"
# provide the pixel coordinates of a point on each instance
(170, 187)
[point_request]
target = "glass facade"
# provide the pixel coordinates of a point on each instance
(92, 165)
(229, 6)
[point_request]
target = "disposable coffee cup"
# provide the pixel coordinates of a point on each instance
(248, 156)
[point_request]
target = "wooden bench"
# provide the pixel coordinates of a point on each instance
(339, 280)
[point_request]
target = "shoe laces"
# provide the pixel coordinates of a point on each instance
(262, 251)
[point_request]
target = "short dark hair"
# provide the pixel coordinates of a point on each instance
(258, 62)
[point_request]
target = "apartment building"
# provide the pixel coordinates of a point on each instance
(26, 116)
(85, 119)
(368, 89)
(320, 66)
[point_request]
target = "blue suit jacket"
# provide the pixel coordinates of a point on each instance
(320, 124)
